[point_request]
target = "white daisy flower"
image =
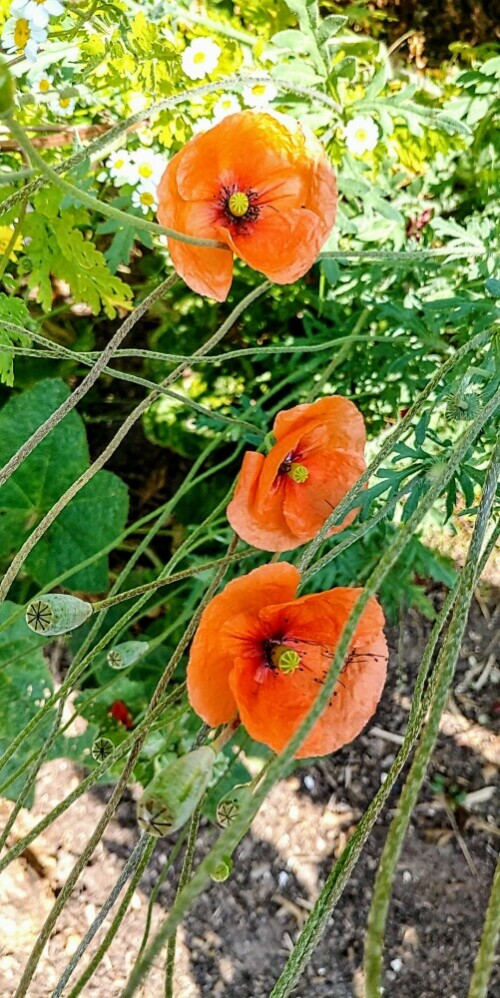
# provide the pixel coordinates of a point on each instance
(200, 58)
(22, 37)
(145, 199)
(41, 85)
(259, 94)
(145, 136)
(137, 102)
(361, 135)
(38, 12)
(226, 104)
(149, 166)
(62, 106)
(121, 168)
(201, 125)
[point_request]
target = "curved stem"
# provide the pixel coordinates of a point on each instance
(94, 203)
(439, 689)
(487, 948)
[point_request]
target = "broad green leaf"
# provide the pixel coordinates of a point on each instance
(92, 519)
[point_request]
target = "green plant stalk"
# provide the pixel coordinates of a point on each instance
(159, 883)
(187, 867)
(442, 678)
(93, 777)
(12, 241)
(69, 404)
(231, 836)
(48, 519)
(95, 204)
(339, 875)
(115, 798)
(158, 583)
(145, 844)
(485, 958)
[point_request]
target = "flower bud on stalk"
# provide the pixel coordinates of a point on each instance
(126, 654)
(171, 797)
(7, 89)
(223, 870)
(57, 614)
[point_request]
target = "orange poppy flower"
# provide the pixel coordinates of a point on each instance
(283, 498)
(261, 184)
(262, 654)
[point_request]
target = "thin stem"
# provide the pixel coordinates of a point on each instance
(55, 418)
(158, 583)
(127, 424)
(343, 868)
(157, 887)
(144, 844)
(13, 239)
(439, 688)
(94, 203)
(187, 867)
(485, 958)
(230, 837)
(117, 921)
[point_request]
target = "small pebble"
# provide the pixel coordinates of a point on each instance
(309, 782)
(397, 965)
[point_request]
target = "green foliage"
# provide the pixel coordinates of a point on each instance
(15, 312)
(93, 518)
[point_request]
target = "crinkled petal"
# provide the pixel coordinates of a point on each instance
(346, 428)
(281, 245)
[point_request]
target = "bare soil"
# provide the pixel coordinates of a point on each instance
(238, 936)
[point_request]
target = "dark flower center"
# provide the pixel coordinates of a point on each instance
(239, 208)
(279, 657)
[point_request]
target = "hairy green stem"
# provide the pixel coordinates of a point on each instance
(485, 958)
(229, 838)
(86, 384)
(441, 681)
(187, 867)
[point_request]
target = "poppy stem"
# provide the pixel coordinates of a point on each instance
(225, 736)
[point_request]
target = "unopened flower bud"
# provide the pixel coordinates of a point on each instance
(56, 613)
(223, 870)
(126, 654)
(171, 797)
(229, 806)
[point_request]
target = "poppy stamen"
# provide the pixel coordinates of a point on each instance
(238, 204)
(298, 473)
(238, 207)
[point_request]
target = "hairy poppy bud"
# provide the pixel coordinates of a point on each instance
(126, 654)
(171, 797)
(57, 614)
(229, 805)
(102, 749)
(6, 88)
(223, 870)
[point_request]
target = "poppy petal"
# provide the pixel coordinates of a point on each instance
(283, 246)
(212, 654)
(345, 422)
(207, 271)
(271, 706)
(257, 520)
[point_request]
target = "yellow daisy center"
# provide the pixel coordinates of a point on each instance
(259, 89)
(118, 163)
(361, 134)
(145, 170)
(22, 32)
(238, 204)
(199, 57)
(44, 86)
(147, 198)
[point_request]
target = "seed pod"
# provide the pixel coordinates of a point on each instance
(7, 88)
(223, 870)
(126, 654)
(57, 614)
(102, 749)
(229, 806)
(171, 797)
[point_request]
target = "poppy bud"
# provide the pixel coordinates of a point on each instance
(6, 88)
(223, 870)
(57, 614)
(171, 797)
(230, 805)
(126, 654)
